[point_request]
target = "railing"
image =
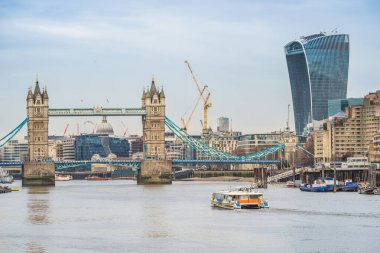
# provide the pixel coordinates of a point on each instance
(96, 111)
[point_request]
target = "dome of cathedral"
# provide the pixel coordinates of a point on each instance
(104, 128)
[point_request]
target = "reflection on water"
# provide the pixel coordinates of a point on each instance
(154, 216)
(38, 205)
(33, 247)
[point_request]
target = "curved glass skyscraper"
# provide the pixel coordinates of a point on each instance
(318, 72)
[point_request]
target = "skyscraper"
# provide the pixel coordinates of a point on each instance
(318, 71)
(223, 124)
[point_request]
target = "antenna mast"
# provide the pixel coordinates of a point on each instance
(287, 121)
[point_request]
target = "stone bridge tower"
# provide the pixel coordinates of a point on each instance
(37, 170)
(155, 169)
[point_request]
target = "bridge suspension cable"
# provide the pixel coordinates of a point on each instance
(12, 133)
(207, 150)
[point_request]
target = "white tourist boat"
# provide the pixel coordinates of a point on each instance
(63, 177)
(5, 178)
(241, 198)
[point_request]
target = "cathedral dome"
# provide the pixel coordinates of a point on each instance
(104, 128)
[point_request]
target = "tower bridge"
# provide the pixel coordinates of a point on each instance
(154, 168)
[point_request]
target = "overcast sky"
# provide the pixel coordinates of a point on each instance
(88, 51)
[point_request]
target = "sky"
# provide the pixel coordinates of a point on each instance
(92, 52)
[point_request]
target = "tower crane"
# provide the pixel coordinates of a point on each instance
(67, 126)
(206, 103)
(186, 123)
(125, 127)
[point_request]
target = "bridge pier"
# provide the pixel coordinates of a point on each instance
(37, 174)
(155, 172)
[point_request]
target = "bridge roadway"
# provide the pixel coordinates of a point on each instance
(136, 163)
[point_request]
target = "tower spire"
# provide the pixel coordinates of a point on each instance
(153, 89)
(37, 89)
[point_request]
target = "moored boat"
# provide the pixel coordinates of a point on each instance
(63, 177)
(240, 198)
(349, 186)
(5, 178)
(322, 184)
(367, 189)
(290, 184)
(96, 178)
(5, 189)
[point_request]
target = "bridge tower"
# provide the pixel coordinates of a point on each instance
(37, 170)
(155, 169)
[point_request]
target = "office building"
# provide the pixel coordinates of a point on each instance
(339, 105)
(14, 151)
(350, 134)
(87, 145)
(318, 72)
(223, 124)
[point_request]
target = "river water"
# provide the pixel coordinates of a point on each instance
(120, 216)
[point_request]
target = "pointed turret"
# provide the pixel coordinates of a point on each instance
(37, 90)
(143, 95)
(147, 92)
(162, 94)
(45, 94)
(30, 94)
(153, 89)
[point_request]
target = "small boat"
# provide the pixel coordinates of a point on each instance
(367, 189)
(96, 178)
(5, 178)
(290, 184)
(240, 198)
(5, 189)
(349, 186)
(63, 177)
(15, 189)
(322, 184)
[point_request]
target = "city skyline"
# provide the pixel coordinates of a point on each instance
(87, 55)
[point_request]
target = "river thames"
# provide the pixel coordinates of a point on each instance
(120, 216)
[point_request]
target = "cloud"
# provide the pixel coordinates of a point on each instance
(69, 31)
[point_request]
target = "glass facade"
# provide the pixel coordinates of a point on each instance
(318, 72)
(339, 105)
(223, 124)
(88, 145)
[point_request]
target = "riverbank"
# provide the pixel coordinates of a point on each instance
(220, 179)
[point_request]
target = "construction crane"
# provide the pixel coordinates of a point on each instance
(125, 127)
(206, 103)
(185, 124)
(67, 126)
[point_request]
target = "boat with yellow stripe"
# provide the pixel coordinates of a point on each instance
(241, 198)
